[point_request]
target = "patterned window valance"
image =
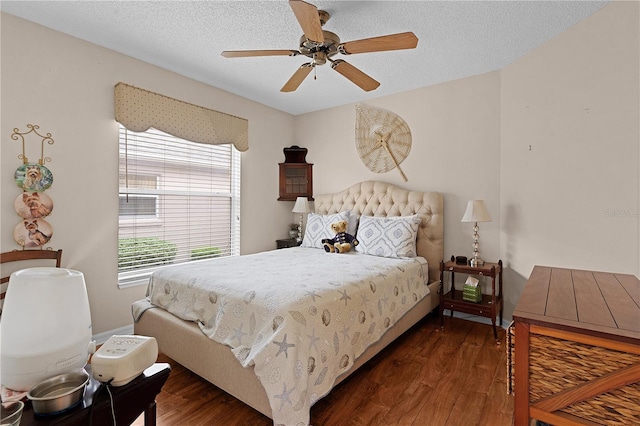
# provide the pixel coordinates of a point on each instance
(138, 110)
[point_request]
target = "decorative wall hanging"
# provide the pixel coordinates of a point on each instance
(383, 140)
(32, 233)
(33, 177)
(32, 205)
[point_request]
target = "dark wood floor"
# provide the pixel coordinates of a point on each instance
(427, 377)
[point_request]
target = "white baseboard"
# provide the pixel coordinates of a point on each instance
(100, 338)
(483, 320)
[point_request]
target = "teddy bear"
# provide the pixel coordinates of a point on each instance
(342, 242)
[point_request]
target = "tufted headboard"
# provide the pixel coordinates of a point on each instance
(373, 198)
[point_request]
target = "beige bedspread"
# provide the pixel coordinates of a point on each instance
(299, 335)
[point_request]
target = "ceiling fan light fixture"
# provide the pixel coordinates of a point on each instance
(329, 46)
(320, 46)
(319, 58)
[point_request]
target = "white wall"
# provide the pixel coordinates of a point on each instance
(572, 200)
(455, 150)
(65, 86)
(570, 139)
(455, 130)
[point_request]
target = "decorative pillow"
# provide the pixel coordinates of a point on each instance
(388, 236)
(319, 227)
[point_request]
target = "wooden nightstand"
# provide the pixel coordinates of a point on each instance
(288, 242)
(490, 304)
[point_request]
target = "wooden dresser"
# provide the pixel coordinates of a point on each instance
(577, 348)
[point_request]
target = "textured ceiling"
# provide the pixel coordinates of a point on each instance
(456, 39)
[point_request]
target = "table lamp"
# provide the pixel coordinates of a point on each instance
(302, 207)
(476, 212)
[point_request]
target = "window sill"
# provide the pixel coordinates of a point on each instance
(133, 281)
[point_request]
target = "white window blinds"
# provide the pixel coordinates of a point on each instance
(179, 201)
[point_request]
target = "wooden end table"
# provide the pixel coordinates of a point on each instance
(488, 307)
(129, 401)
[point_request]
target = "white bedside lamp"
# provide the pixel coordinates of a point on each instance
(476, 212)
(302, 207)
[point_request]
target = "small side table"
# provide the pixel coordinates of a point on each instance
(129, 401)
(286, 243)
(490, 304)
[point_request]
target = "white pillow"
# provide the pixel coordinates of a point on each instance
(388, 236)
(319, 227)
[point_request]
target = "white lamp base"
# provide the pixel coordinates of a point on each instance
(476, 261)
(299, 238)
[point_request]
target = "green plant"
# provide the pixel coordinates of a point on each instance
(144, 251)
(205, 252)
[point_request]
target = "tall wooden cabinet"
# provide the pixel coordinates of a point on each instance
(296, 175)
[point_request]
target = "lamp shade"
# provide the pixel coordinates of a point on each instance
(476, 212)
(301, 206)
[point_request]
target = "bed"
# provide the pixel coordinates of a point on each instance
(276, 365)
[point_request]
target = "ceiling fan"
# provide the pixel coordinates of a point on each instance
(321, 46)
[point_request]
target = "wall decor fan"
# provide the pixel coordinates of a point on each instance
(383, 140)
(321, 46)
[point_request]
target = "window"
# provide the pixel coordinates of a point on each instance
(179, 202)
(138, 205)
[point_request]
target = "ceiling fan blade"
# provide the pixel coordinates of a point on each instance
(356, 76)
(309, 20)
(297, 78)
(398, 41)
(248, 53)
